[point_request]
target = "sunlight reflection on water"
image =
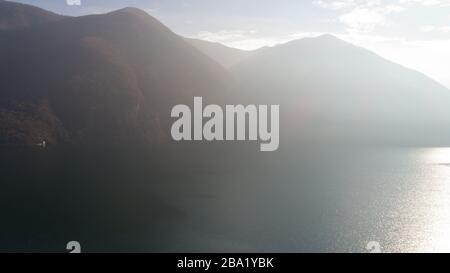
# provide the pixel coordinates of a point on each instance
(435, 233)
(423, 223)
(339, 201)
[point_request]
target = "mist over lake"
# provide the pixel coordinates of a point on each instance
(314, 199)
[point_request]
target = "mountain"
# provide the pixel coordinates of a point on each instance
(224, 55)
(328, 88)
(15, 15)
(115, 77)
(98, 78)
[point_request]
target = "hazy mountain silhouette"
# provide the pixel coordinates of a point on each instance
(15, 15)
(109, 77)
(116, 76)
(330, 88)
(224, 55)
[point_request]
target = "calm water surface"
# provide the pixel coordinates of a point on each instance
(322, 199)
(309, 199)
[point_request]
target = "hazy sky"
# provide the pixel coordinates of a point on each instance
(415, 33)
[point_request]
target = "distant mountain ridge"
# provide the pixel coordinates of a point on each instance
(111, 77)
(334, 89)
(224, 55)
(115, 77)
(16, 15)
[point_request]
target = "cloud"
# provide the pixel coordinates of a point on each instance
(73, 2)
(363, 19)
(370, 15)
(366, 16)
(441, 3)
(346, 4)
(435, 29)
(335, 5)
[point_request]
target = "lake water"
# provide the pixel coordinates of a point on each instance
(308, 199)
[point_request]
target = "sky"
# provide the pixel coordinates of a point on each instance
(413, 33)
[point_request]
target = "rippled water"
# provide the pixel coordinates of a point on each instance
(324, 199)
(308, 199)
